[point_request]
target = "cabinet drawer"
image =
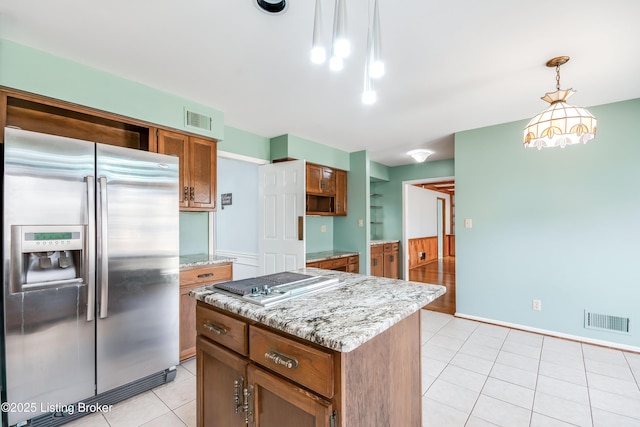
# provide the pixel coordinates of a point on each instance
(388, 247)
(217, 273)
(377, 249)
(331, 264)
(306, 365)
(223, 329)
(354, 259)
(314, 264)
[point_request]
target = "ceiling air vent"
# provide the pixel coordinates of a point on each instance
(196, 120)
(606, 322)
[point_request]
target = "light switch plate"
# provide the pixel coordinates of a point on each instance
(468, 223)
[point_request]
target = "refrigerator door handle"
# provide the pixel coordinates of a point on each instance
(90, 248)
(103, 255)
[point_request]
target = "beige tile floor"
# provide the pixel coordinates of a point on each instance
(170, 405)
(473, 375)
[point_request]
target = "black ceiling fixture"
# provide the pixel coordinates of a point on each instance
(272, 6)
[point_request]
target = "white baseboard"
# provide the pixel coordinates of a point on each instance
(245, 266)
(552, 333)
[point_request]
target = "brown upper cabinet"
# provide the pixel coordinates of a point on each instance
(326, 190)
(198, 161)
(320, 180)
(341, 193)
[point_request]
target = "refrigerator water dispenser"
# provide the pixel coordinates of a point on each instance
(46, 256)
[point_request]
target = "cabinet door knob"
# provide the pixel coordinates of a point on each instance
(281, 359)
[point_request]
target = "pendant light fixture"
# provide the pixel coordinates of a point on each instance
(318, 50)
(369, 95)
(341, 47)
(376, 66)
(560, 124)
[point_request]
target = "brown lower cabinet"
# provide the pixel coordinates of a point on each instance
(384, 260)
(348, 263)
(253, 396)
(253, 376)
(193, 278)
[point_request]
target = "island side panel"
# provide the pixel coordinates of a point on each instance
(381, 379)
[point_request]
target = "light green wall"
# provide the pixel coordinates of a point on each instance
(194, 233)
(348, 235)
(291, 146)
(558, 225)
(317, 240)
(39, 72)
(245, 143)
(379, 172)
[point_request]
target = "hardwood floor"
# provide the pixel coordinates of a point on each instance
(440, 272)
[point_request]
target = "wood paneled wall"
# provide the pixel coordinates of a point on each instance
(429, 246)
(426, 245)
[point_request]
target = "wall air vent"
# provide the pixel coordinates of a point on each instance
(196, 120)
(606, 322)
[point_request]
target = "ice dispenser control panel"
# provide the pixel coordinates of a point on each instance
(52, 239)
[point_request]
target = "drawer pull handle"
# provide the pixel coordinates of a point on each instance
(203, 275)
(212, 327)
(281, 359)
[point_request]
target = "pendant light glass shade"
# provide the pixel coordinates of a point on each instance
(318, 50)
(376, 65)
(369, 95)
(341, 46)
(560, 124)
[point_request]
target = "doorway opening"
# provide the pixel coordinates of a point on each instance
(429, 237)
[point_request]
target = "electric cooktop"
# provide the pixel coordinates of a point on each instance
(274, 288)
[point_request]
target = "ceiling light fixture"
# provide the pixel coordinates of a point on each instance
(560, 124)
(420, 154)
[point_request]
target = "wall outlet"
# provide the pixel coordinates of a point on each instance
(536, 305)
(468, 223)
(360, 223)
(323, 228)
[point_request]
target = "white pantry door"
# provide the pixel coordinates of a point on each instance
(282, 231)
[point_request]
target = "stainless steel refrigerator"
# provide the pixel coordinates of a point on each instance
(90, 274)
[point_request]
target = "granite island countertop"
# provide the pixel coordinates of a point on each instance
(326, 255)
(340, 318)
(187, 261)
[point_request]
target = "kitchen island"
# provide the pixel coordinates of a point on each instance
(348, 356)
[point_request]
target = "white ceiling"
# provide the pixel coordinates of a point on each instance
(451, 65)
